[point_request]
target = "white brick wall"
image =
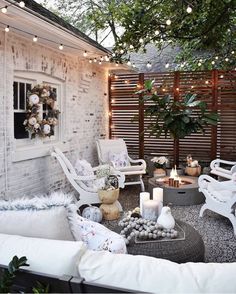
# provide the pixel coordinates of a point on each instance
(85, 114)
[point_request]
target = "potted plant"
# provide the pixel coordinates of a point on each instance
(160, 165)
(175, 118)
(193, 168)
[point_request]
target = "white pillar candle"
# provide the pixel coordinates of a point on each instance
(150, 210)
(157, 194)
(143, 196)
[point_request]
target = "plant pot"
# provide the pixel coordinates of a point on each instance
(159, 172)
(108, 196)
(110, 211)
(193, 171)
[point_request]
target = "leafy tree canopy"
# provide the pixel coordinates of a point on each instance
(204, 29)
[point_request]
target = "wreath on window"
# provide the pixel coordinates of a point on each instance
(41, 121)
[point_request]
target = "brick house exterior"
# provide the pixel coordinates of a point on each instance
(27, 168)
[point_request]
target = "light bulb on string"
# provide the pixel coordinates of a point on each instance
(117, 64)
(100, 62)
(4, 9)
(95, 60)
(213, 62)
(216, 57)
(199, 64)
(167, 65)
(7, 29)
(90, 60)
(182, 65)
(134, 65)
(189, 9)
(221, 76)
(22, 4)
(113, 54)
(61, 47)
(128, 62)
(101, 58)
(226, 59)
(168, 22)
(85, 53)
(141, 40)
(122, 51)
(232, 52)
(131, 47)
(157, 32)
(35, 39)
(149, 65)
(107, 58)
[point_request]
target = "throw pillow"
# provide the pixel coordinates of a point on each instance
(94, 235)
(84, 168)
(119, 160)
(39, 217)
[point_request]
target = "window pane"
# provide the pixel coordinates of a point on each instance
(15, 94)
(22, 96)
(19, 128)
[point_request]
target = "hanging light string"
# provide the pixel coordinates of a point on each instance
(35, 38)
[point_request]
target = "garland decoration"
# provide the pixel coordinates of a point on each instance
(42, 112)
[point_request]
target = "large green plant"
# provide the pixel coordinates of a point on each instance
(175, 118)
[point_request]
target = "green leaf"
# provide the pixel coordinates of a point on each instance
(149, 84)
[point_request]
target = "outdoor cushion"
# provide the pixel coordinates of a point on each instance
(119, 160)
(106, 145)
(94, 235)
(52, 257)
(40, 217)
(153, 275)
(84, 168)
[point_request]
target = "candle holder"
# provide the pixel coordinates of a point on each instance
(171, 182)
(176, 183)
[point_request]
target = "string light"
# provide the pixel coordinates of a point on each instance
(168, 22)
(199, 64)
(7, 29)
(128, 62)
(141, 40)
(85, 53)
(206, 82)
(4, 9)
(157, 32)
(107, 58)
(22, 4)
(192, 87)
(189, 9)
(134, 65)
(226, 59)
(177, 89)
(90, 60)
(131, 47)
(216, 57)
(149, 65)
(101, 58)
(122, 51)
(117, 64)
(95, 60)
(182, 65)
(213, 62)
(100, 62)
(232, 52)
(167, 65)
(221, 76)
(61, 47)
(35, 38)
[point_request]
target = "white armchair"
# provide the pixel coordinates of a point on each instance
(220, 197)
(134, 168)
(216, 168)
(87, 195)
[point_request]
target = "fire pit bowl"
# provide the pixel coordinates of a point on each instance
(186, 194)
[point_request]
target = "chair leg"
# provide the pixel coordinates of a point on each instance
(204, 207)
(142, 184)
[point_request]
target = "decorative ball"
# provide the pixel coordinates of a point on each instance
(92, 213)
(46, 129)
(34, 99)
(32, 121)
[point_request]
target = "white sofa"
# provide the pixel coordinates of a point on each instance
(46, 226)
(137, 273)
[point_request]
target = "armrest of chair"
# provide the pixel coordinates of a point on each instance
(204, 180)
(143, 162)
(85, 178)
(216, 163)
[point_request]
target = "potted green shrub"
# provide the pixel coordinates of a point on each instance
(175, 118)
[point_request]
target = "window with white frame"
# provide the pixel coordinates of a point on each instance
(21, 85)
(24, 147)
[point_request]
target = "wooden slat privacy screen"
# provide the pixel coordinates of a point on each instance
(216, 88)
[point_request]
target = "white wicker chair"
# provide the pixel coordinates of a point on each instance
(86, 195)
(216, 168)
(137, 167)
(220, 197)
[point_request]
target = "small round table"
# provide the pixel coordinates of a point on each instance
(184, 195)
(191, 249)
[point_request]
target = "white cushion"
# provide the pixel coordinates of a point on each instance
(153, 275)
(84, 168)
(106, 145)
(40, 217)
(46, 256)
(119, 160)
(94, 235)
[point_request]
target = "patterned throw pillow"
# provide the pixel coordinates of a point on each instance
(119, 160)
(84, 168)
(94, 235)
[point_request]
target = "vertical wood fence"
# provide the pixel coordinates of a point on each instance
(216, 88)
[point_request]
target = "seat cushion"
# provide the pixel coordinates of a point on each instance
(39, 217)
(51, 257)
(84, 168)
(110, 145)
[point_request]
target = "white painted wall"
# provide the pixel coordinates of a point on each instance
(85, 114)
